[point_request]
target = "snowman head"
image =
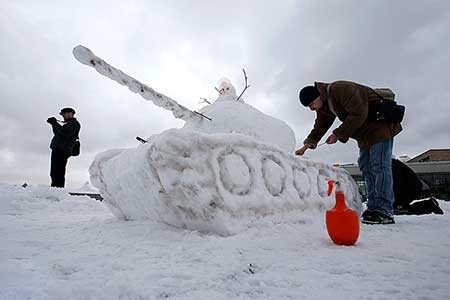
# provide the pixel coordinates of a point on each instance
(226, 89)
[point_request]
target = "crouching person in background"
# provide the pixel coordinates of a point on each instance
(64, 141)
(408, 189)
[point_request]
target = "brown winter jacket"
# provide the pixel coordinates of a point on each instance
(351, 102)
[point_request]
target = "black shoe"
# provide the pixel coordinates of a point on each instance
(365, 213)
(375, 217)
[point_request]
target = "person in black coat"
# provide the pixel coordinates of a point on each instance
(407, 189)
(62, 144)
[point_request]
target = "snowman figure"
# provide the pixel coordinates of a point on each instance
(226, 90)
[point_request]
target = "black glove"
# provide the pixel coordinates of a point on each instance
(52, 120)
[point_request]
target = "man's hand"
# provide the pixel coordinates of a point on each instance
(332, 139)
(52, 120)
(302, 150)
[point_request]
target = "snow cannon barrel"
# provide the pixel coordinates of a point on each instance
(83, 55)
(88, 58)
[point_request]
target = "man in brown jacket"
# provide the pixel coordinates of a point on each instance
(354, 105)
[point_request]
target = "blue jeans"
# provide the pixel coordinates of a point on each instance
(375, 164)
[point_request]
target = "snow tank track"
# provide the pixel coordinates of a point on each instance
(210, 182)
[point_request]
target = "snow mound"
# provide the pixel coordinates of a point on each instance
(212, 182)
(86, 188)
(35, 198)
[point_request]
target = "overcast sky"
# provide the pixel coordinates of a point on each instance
(182, 48)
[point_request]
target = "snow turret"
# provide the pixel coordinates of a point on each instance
(233, 116)
(227, 114)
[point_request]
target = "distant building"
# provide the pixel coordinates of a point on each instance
(432, 167)
(432, 155)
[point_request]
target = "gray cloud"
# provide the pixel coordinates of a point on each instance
(181, 48)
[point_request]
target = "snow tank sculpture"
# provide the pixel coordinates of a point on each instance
(229, 164)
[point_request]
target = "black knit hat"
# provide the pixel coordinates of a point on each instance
(67, 109)
(308, 94)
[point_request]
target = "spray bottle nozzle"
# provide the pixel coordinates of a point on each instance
(334, 183)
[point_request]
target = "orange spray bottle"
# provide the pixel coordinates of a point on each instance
(342, 222)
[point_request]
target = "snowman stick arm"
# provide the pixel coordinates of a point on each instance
(87, 57)
(246, 85)
(204, 100)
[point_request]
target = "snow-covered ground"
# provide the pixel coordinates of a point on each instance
(58, 247)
